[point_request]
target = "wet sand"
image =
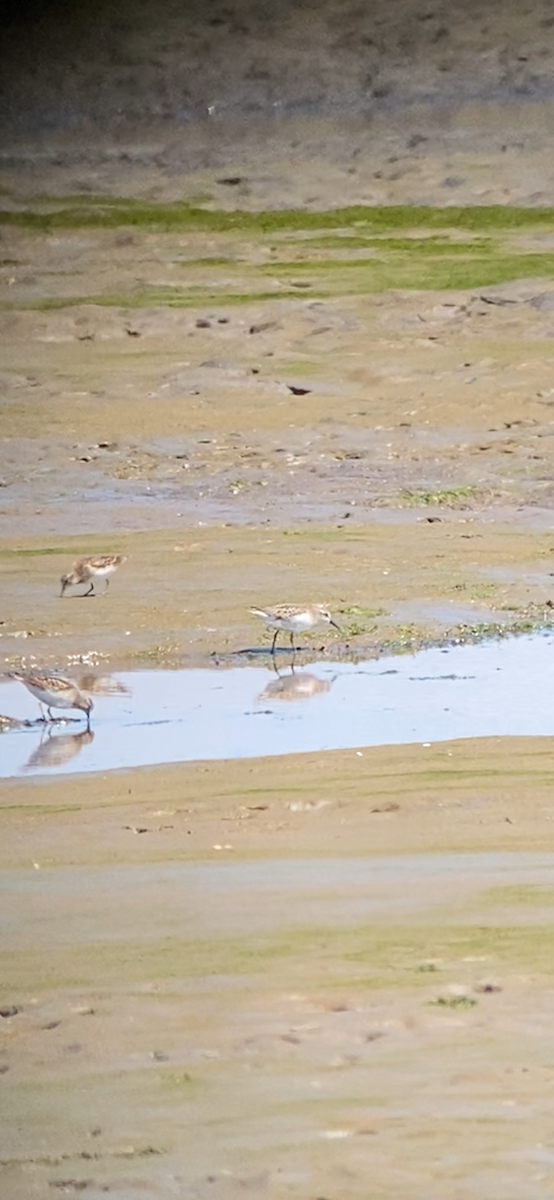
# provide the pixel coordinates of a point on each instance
(267, 977)
(274, 977)
(313, 442)
(328, 974)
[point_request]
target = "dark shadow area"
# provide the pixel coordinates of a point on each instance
(98, 66)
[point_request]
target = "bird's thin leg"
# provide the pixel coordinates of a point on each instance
(107, 583)
(42, 716)
(91, 589)
(50, 717)
(275, 636)
(292, 642)
(88, 720)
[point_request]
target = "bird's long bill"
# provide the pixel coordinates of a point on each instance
(335, 626)
(64, 585)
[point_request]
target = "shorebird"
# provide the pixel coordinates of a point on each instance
(87, 570)
(294, 618)
(53, 691)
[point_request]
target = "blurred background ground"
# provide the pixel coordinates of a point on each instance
(255, 104)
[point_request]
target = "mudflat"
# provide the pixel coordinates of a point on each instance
(269, 977)
(274, 361)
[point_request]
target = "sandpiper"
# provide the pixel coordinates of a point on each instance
(87, 570)
(294, 618)
(53, 691)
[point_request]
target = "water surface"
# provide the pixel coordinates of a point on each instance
(501, 688)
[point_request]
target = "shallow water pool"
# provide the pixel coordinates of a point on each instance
(501, 688)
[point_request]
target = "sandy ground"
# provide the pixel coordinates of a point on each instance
(250, 452)
(328, 975)
(267, 978)
(271, 978)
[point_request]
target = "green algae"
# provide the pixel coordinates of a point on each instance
(214, 260)
(357, 619)
(453, 1002)
(373, 956)
(448, 497)
(303, 266)
(529, 895)
(113, 214)
(316, 279)
(429, 245)
(34, 552)
(194, 297)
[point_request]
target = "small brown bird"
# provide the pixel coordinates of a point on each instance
(294, 618)
(87, 570)
(53, 691)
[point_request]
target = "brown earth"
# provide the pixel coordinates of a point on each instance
(267, 978)
(329, 975)
(174, 436)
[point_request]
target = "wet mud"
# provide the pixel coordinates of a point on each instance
(311, 975)
(267, 976)
(311, 442)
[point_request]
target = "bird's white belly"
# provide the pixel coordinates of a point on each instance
(58, 700)
(296, 623)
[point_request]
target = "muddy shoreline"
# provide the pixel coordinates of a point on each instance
(313, 441)
(277, 977)
(385, 449)
(166, 973)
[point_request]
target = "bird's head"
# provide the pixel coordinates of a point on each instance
(326, 616)
(85, 703)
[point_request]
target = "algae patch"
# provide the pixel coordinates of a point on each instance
(368, 956)
(373, 257)
(100, 213)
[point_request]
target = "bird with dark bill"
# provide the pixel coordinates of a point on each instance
(294, 618)
(54, 691)
(88, 570)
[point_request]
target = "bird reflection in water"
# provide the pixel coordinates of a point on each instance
(298, 685)
(102, 685)
(56, 749)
